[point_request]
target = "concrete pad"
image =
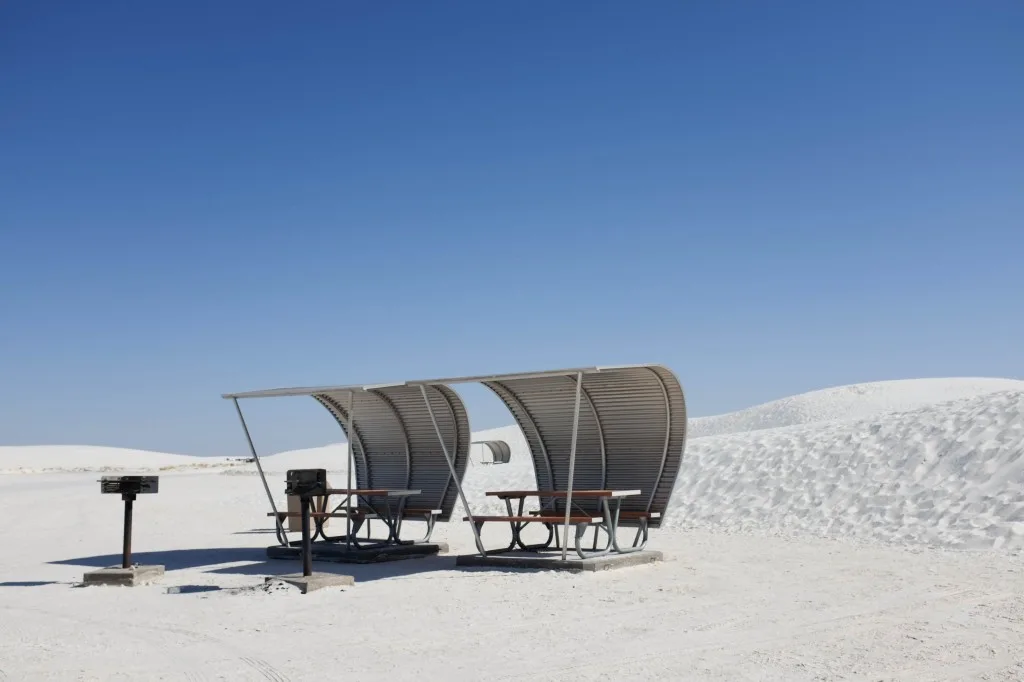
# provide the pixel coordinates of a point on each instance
(317, 581)
(336, 551)
(553, 560)
(126, 577)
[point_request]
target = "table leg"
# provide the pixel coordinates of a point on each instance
(615, 539)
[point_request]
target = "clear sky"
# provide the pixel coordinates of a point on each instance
(203, 197)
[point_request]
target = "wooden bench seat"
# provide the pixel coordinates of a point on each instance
(355, 510)
(312, 515)
(534, 519)
(623, 515)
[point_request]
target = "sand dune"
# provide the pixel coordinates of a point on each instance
(36, 459)
(946, 475)
(848, 403)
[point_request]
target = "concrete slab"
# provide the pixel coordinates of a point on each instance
(317, 581)
(552, 561)
(336, 551)
(125, 577)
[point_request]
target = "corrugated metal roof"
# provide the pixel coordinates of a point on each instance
(395, 445)
(632, 431)
(312, 390)
(500, 452)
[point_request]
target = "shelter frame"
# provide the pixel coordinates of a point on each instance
(674, 433)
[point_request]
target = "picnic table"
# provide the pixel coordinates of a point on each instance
(387, 505)
(607, 518)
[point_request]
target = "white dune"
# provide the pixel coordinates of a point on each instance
(848, 403)
(331, 457)
(944, 475)
(37, 459)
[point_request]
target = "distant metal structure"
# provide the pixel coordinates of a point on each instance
(495, 451)
(128, 487)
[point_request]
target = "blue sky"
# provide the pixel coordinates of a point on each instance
(770, 198)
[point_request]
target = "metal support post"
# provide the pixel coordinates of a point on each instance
(351, 465)
(252, 448)
(126, 552)
(572, 463)
(451, 467)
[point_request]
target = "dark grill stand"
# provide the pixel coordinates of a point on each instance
(307, 484)
(127, 574)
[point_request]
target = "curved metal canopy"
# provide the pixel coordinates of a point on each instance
(395, 445)
(631, 431)
(631, 434)
(501, 453)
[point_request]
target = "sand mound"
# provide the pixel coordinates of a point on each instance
(854, 402)
(330, 457)
(39, 459)
(945, 475)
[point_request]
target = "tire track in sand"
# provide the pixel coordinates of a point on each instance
(267, 671)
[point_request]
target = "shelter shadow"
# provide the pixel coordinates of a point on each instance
(257, 563)
(381, 570)
(28, 583)
(175, 559)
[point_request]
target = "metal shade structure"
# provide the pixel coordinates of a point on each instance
(394, 444)
(587, 428)
(499, 450)
(631, 432)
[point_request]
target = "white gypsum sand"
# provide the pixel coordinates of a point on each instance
(749, 590)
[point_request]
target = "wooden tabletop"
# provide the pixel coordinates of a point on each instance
(562, 493)
(380, 492)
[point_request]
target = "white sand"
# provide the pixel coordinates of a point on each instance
(39, 459)
(749, 591)
(848, 403)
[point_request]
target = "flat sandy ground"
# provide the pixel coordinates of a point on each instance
(721, 607)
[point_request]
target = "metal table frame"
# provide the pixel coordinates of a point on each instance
(610, 502)
(391, 515)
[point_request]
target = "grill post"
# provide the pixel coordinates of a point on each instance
(307, 549)
(306, 484)
(126, 552)
(128, 573)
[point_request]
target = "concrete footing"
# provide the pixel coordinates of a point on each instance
(553, 560)
(125, 577)
(317, 581)
(336, 551)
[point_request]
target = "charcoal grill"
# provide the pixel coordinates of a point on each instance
(128, 487)
(306, 484)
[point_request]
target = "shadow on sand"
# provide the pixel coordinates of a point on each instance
(257, 564)
(28, 583)
(174, 559)
(382, 570)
